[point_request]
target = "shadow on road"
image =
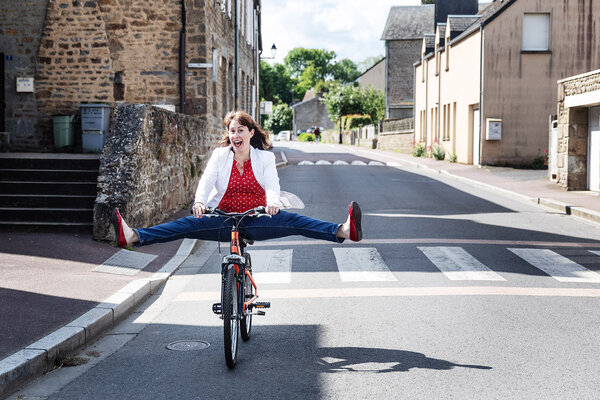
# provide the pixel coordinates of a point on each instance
(361, 359)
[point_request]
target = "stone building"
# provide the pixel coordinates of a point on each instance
(575, 144)
(374, 76)
(311, 112)
(195, 57)
(403, 35)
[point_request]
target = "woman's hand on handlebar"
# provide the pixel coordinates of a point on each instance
(272, 209)
(198, 209)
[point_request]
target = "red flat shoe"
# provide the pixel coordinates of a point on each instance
(118, 225)
(355, 219)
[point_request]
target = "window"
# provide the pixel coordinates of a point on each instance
(536, 32)
(215, 64)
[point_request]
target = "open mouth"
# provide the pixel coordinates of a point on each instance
(237, 143)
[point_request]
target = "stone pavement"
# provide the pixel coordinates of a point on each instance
(55, 300)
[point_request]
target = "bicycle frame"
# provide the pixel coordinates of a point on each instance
(236, 273)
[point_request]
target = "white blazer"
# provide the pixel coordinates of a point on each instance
(215, 179)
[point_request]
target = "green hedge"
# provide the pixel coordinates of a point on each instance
(306, 137)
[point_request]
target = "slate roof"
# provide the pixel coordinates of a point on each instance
(408, 22)
(429, 39)
(487, 14)
(458, 23)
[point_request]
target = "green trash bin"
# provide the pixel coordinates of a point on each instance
(63, 131)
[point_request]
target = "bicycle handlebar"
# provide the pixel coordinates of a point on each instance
(254, 212)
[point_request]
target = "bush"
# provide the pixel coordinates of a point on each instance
(419, 150)
(438, 151)
(452, 158)
(306, 137)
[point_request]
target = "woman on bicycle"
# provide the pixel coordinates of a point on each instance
(240, 175)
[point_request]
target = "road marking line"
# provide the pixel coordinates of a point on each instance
(272, 266)
(560, 268)
(402, 292)
(458, 265)
(363, 264)
(315, 242)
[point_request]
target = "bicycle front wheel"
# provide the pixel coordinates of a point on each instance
(231, 322)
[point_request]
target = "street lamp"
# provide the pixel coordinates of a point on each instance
(273, 53)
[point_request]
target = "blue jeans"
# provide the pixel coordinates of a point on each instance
(219, 229)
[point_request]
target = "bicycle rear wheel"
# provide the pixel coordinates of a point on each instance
(246, 322)
(231, 322)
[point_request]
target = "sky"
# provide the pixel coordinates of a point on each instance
(351, 28)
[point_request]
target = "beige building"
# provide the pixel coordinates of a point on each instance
(486, 85)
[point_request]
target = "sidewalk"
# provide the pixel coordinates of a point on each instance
(53, 302)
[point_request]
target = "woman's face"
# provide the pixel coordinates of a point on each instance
(239, 136)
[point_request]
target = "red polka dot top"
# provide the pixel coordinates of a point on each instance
(243, 191)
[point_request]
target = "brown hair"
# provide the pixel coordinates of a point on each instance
(259, 140)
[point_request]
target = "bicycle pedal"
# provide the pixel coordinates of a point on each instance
(216, 308)
(260, 313)
(262, 304)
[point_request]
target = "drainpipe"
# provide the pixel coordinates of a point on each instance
(480, 89)
(237, 55)
(387, 79)
(182, 60)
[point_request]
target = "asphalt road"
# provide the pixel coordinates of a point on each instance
(454, 293)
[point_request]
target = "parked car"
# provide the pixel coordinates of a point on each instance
(284, 135)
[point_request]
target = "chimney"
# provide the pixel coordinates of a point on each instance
(443, 8)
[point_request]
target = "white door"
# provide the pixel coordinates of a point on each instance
(476, 137)
(594, 149)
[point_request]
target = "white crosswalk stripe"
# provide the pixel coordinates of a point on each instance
(272, 266)
(458, 265)
(363, 264)
(559, 267)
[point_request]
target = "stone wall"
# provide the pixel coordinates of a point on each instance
(401, 55)
(150, 166)
(74, 63)
(21, 24)
(400, 141)
(572, 131)
(124, 51)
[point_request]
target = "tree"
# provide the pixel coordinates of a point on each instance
(298, 59)
(276, 83)
(427, 1)
(350, 99)
(281, 119)
(345, 71)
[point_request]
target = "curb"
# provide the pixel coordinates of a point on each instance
(40, 357)
(282, 163)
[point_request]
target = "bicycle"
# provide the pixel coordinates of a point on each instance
(238, 289)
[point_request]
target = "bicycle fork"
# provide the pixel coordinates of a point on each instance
(244, 306)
